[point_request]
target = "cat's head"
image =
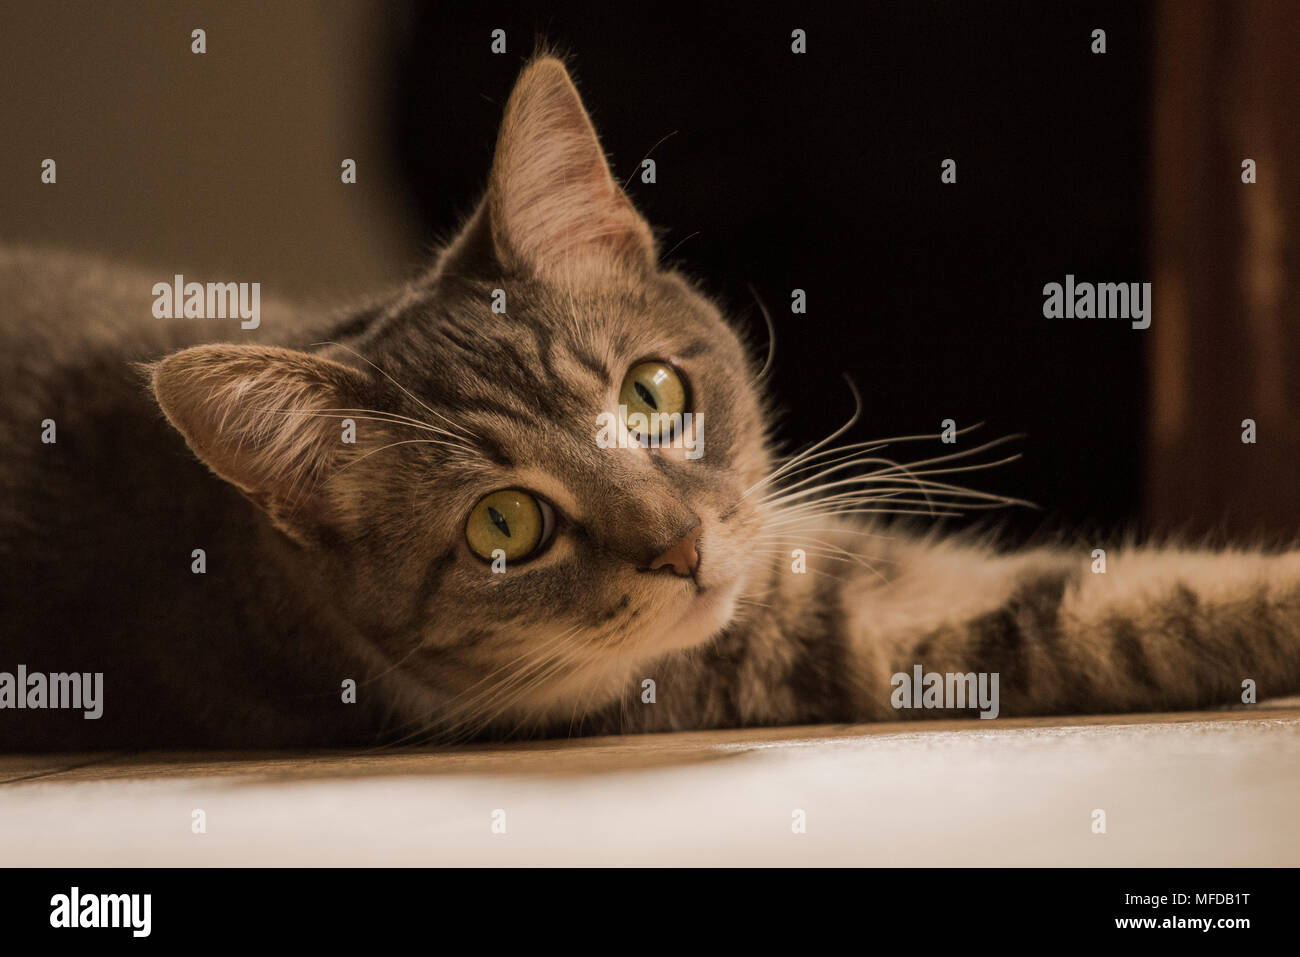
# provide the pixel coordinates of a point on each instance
(480, 531)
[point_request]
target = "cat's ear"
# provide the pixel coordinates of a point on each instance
(271, 422)
(552, 206)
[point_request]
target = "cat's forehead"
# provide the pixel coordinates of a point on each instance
(526, 380)
(547, 347)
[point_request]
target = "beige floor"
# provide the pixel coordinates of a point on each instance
(1216, 788)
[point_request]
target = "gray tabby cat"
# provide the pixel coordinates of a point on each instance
(476, 562)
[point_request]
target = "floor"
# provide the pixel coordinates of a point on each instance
(1213, 788)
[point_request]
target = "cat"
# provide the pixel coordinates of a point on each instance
(470, 562)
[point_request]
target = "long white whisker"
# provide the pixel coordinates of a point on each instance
(332, 414)
(408, 392)
(857, 411)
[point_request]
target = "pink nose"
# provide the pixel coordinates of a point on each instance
(683, 556)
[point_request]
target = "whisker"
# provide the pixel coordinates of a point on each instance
(771, 334)
(576, 652)
(483, 685)
(857, 411)
(828, 556)
(805, 459)
(390, 445)
(821, 546)
(408, 392)
(887, 511)
(378, 417)
(471, 715)
(894, 496)
(892, 467)
(396, 417)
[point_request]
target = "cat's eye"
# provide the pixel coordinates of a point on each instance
(649, 388)
(515, 521)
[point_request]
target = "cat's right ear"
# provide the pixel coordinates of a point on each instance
(552, 208)
(270, 421)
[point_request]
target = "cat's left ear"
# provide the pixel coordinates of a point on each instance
(275, 424)
(552, 206)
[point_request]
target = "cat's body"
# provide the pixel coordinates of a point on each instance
(328, 561)
(98, 529)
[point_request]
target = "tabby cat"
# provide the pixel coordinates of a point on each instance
(474, 561)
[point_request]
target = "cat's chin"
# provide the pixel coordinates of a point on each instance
(700, 617)
(692, 623)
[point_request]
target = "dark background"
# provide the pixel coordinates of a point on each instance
(822, 172)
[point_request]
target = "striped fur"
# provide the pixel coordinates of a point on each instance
(330, 562)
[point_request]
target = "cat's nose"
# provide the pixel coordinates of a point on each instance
(683, 555)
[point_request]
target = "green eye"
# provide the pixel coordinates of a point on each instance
(650, 388)
(512, 520)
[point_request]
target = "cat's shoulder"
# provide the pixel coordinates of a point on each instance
(45, 290)
(65, 302)
(40, 266)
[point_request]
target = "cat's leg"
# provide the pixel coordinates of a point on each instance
(1039, 630)
(1156, 630)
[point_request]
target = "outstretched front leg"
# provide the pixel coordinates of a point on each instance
(1061, 631)
(942, 629)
